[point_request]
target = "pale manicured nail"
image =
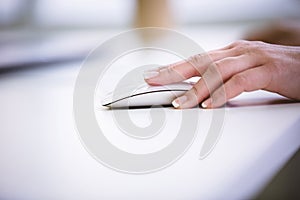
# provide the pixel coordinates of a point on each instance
(175, 104)
(206, 103)
(150, 74)
(179, 101)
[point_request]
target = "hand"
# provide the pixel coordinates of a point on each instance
(227, 72)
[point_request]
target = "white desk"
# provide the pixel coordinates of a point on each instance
(42, 157)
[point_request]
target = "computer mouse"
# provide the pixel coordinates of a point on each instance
(145, 95)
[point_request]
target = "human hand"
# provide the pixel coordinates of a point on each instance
(227, 72)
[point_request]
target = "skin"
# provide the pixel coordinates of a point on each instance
(229, 71)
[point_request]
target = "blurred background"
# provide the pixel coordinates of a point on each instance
(47, 31)
(78, 14)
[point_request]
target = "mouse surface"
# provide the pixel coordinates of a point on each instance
(145, 95)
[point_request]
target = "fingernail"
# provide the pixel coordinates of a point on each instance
(206, 103)
(150, 74)
(179, 101)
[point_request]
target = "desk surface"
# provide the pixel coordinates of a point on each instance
(42, 156)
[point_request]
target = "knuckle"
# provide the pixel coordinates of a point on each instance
(239, 42)
(194, 60)
(240, 80)
(170, 70)
(193, 96)
(261, 51)
(210, 72)
(264, 50)
(243, 48)
(220, 70)
(248, 47)
(220, 94)
(196, 91)
(167, 70)
(172, 74)
(198, 59)
(223, 66)
(245, 44)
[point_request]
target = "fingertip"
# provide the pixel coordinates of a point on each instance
(205, 104)
(218, 98)
(175, 104)
(188, 100)
(152, 77)
(150, 74)
(180, 101)
(152, 82)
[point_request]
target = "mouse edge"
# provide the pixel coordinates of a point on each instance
(110, 104)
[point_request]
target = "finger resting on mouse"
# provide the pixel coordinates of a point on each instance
(227, 72)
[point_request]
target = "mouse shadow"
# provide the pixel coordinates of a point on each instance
(138, 107)
(231, 104)
(259, 102)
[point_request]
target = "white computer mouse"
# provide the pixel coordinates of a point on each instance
(145, 95)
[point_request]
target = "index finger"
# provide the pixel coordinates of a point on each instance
(194, 66)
